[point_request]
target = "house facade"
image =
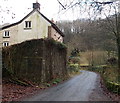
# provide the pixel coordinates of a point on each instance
(33, 26)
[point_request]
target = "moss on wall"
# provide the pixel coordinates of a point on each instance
(36, 60)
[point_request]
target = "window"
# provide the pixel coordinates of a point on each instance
(5, 44)
(6, 34)
(28, 24)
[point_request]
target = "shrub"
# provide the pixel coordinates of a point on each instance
(112, 61)
(73, 67)
(110, 77)
(57, 80)
(74, 60)
(75, 52)
(60, 45)
(48, 85)
(114, 87)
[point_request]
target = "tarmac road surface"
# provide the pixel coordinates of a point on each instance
(0, 75)
(83, 87)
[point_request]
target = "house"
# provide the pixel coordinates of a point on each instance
(33, 26)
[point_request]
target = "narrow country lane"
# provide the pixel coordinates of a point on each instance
(0, 75)
(79, 88)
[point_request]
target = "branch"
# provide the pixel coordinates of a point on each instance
(116, 22)
(111, 26)
(104, 3)
(61, 4)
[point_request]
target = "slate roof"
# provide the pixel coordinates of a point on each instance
(52, 24)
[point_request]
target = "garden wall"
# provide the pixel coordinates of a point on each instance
(36, 60)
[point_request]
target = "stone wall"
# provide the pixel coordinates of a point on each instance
(36, 60)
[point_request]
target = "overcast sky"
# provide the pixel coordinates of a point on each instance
(50, 8)
(21, 8)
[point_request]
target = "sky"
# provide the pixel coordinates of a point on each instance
(20, 8)
(14, 10)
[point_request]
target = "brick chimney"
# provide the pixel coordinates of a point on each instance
(36, 5)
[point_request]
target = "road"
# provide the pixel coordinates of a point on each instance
(0, 75)
(0, 66)
(83, 87)
(0, 62)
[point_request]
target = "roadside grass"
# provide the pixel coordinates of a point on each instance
(110, 77)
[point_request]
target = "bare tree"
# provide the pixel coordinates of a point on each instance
(113, 26)
(100, 10)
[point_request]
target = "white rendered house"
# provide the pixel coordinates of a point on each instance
(33, 26)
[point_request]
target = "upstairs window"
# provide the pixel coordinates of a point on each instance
(28, 25)
(5, 44)
(6, 34)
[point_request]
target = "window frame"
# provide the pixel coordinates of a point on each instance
(5, 43)
(6, 34)
(28, 25)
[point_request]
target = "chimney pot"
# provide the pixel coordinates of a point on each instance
(36, 6)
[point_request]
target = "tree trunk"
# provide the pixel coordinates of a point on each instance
(118, 47)
(119, 56)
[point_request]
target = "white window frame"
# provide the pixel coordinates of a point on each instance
(28, 25)
(6, 34)
(5, 44)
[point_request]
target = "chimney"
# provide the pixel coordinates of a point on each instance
(36, 5)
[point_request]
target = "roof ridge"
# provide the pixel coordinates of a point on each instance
(13, 24)
(52, 24)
